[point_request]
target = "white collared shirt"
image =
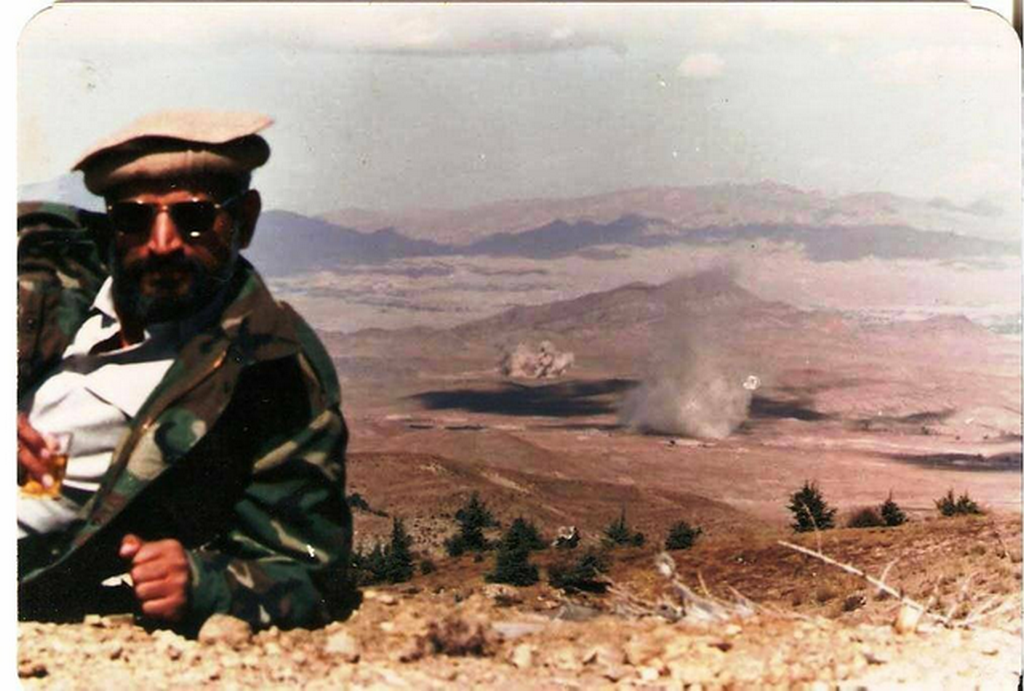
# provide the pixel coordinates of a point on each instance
(94, 396)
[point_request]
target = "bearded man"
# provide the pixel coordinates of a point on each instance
(205, 471)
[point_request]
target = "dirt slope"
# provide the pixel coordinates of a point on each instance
(815, 628)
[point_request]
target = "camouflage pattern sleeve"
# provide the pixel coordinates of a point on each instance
(284, 561)
(60, 269)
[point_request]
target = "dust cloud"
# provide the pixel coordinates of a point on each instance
(543, 362)
(694, 390)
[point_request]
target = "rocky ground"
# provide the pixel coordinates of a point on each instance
(806, 625)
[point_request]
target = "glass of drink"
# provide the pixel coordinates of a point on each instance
(58, 467)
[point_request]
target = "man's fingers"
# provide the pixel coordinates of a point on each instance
(130, 545)
(170, 549)
(154, 590)
(30, 462)
(149, 551)
(34, 453)
(160, 574)
(31, 437)
(169, 608)
(150, 571)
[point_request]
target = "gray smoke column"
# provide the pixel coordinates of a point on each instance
(692, 391)
(544, 362)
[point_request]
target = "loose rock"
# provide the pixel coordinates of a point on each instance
(222, 628)
(522, 656)
(29, 669)
(907, 619)
(342, 645)
(649, 673)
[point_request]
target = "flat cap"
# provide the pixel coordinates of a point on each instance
(177, 143)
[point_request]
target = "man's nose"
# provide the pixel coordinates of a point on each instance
(164, 236)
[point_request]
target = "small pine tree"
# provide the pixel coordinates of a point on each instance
(965, 505)
(513, 566)
(682, 536)
(811, 510)
(370, 567)
(398, 565)
(454, 546)
(957, 506)
(581, 575)
(891, 512)
(427, 566)
(618, 532)
(524, 533)
(947, 504)
(867, 517)
(472, 519)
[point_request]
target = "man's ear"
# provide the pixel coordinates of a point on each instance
(249, 207)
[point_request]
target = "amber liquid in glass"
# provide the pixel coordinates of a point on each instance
(34, 488)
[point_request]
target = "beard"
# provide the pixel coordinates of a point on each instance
(165, 289)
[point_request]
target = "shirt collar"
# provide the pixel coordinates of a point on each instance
(104, 301)
(179, 330)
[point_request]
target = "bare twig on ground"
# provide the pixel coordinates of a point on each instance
(951, 610)
(978, 614)
(817, 533)
(696, 607)
(885, 571)
(703, 585)
(881, 585)
(979, 610)
(630, 605)
(744, 600)
(932, 597)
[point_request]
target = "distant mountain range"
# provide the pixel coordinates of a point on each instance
(828, 228)
(717, 205)
(313, 244)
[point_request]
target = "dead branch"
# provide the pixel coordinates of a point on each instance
(885, 571)
(703, 585)
(695, 607)
(881, 585)
(979, 615)
(980, 609)
(959, 596)
(817, 533)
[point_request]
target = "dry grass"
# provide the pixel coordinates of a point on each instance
(926, 560)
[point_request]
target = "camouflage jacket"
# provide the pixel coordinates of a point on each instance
(238, 453)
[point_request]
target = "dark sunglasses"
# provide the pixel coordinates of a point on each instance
(193, 218)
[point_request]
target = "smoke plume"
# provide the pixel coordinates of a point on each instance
(692, 391)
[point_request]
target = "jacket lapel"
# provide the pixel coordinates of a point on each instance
(192, 395)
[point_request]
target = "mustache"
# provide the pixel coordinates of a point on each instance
(178, 263)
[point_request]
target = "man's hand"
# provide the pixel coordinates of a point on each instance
(35, 454)
(161, 576)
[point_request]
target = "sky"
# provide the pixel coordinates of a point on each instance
(392, 107)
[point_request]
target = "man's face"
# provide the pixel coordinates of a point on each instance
(168, 261)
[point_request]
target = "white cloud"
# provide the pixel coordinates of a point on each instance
(702, 66)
